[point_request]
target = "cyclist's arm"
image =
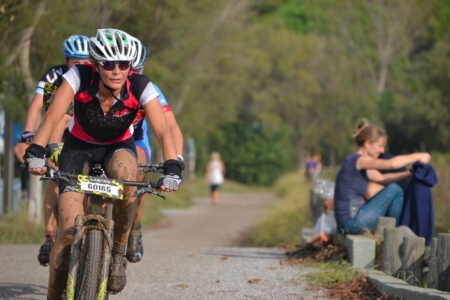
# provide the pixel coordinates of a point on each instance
(33, 112)
(57, 134)
(176, 131)
(55, 114)
(156, 118)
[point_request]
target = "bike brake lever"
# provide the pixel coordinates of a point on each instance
(159, 195)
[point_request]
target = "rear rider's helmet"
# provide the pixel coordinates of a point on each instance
(111, 45)
(141, 55)
(76, 46)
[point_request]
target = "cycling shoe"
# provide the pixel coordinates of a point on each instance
(117, 277)
(44, 253)
(135, 247)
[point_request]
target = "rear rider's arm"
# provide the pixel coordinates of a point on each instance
(33, 112)
(56, 111)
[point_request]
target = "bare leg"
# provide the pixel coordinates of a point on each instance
(123, 167)
(51, 210)
(50, 222)
(142, 158)
(135, 248)
(70, 206)
(215, 197)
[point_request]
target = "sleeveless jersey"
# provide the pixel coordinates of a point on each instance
(49, 83)
(89, 123)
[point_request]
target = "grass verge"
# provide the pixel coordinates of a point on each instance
(283, 223)
(331, 273)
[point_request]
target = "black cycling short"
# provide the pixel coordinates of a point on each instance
(78, 157)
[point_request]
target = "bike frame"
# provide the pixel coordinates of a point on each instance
(99, 219)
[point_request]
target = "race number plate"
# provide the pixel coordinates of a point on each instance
(100, 186)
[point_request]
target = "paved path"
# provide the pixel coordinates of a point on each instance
(190, 255)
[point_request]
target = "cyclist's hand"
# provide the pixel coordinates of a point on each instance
(35, 159)
(172, 176)
(169, 182)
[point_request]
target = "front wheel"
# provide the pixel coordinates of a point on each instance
(88, 277)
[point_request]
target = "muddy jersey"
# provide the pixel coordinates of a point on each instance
(89, 123)
(49, 83)
(140, 124)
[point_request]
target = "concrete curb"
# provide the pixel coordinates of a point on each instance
(398, 288)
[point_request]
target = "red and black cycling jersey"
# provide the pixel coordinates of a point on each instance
(49, 83)
(89, 123)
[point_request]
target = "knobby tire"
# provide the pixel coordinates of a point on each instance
(89, 271)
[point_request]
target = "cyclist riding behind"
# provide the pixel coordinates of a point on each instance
(135, 247)
(106, 100)
(76, 51)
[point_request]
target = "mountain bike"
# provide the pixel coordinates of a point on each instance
(92, 243)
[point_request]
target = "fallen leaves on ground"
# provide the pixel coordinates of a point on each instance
(254, 281)
(331, 251)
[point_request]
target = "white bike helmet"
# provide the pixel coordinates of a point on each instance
(112, 45)
(76, 46)
(141, 55)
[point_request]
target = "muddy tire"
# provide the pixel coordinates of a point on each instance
(90, 266)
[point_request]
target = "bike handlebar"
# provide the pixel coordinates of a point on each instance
(143, 187)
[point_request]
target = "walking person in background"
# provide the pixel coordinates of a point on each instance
(214, 176)
(362, 193)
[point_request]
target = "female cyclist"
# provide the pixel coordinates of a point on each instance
(106, 100)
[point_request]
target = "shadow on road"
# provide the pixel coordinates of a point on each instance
(21, 291)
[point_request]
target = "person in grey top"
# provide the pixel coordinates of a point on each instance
(362, 192)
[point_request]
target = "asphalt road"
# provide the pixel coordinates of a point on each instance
(192, 254)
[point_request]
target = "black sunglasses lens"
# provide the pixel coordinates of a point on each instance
(108, 65)
(123, 65)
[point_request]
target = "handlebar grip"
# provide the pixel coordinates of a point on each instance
(154, 184)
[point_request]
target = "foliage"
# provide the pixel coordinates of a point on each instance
(307, 68)
(441, 192)
(263, 153)
(17, 229)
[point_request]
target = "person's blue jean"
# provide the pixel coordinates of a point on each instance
(388, 202)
